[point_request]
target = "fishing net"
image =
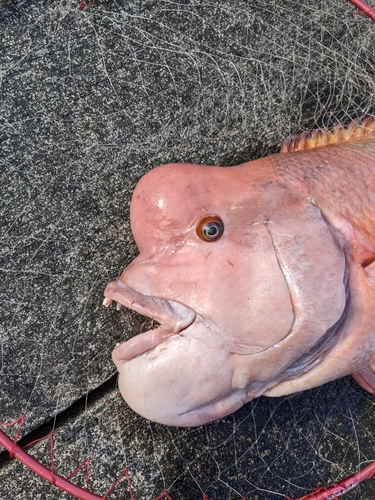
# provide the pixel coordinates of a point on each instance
(93, 95)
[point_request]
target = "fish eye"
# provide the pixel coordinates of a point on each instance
(210, 228)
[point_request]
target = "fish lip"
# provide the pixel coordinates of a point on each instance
(171, 315)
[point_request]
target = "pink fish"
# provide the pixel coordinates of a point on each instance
(261, 277)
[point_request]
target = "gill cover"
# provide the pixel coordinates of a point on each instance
(312, 259)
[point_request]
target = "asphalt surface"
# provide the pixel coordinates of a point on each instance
(91, 98)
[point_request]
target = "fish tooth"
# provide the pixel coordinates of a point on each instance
(118, 306)
(107, 302)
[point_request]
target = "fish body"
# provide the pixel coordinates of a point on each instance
(261, 277)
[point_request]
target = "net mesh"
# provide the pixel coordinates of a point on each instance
(92, 97)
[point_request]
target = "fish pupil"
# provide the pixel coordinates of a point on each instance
(212, 230)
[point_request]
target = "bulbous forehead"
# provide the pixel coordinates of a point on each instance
(180, 187)
(172, 198)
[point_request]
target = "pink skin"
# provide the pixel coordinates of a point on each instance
(237, 312)
(352, 353)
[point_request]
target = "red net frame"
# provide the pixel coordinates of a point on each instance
(49, 474)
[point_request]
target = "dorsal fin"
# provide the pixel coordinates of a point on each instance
(357, 129)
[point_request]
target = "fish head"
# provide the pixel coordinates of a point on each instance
(243, 277)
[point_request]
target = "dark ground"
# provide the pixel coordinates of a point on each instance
(91, 100)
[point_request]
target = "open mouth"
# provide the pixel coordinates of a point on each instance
(173, 317)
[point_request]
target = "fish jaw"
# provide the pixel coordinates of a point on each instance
(182, 359)
(182, 335)
(199, 388)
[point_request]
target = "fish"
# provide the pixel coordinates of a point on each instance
(260, 277)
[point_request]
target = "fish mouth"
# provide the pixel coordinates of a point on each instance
(173, 317)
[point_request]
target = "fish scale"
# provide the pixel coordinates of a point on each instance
(341, 175)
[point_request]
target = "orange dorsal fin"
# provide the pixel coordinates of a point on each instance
(357, 129)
